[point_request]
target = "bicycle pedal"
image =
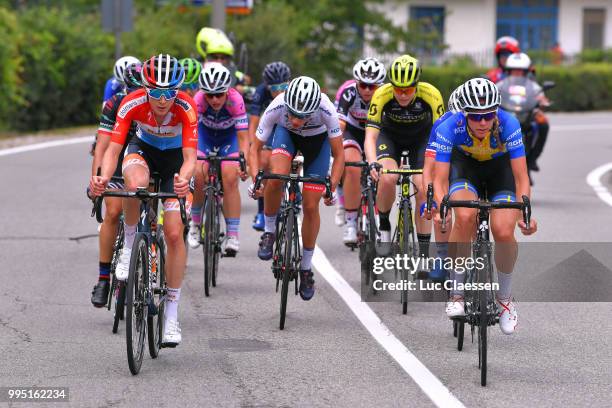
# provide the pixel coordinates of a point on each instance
(229, 253)
(168, 345)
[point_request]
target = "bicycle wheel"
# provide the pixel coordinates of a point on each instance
(287, 265)
(460, 334)
(406, 244)
(483, 316)
(119, 314)
(218, 238)
(117, 247)
(158, 286)
(136, 308)
(208, 239)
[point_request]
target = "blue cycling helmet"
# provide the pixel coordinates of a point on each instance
(276, 73)
(162, 71)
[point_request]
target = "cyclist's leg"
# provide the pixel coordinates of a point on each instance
(317, 152)
(231, 194)
(205, 146)
(416, 158)
(353, 151)
(388, 157)
(136, 174)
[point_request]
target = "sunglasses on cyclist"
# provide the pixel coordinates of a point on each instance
(477, 117)
(217, 57)
(217, 95)
(371, 87)
(299, 116)
(158, 93)
(407, 90)
(278, 87)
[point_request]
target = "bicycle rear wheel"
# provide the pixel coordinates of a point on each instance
(218, 239)
(287, 265)
(136, 308)
(208, 239)
(483, 315)
(119, 291)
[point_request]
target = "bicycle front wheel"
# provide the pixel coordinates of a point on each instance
(158, 291)
(407, 246)
(136, 307)
(287, 265)
(208, 238)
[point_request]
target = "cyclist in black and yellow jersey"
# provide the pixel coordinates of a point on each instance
(400, 118)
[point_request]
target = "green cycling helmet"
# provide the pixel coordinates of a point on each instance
(192, 69)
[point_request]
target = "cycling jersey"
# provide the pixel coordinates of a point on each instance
(178, 128)
(409, 122)
(345, 85)
(352, 109)
(261, 99)
(111, 88)
(496, 74)
(224, 122)
(323, 120)
(107, 123)
(430, 150)
(454, 133)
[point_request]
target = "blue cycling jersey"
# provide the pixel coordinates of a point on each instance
(112, 88)
(261, 99)
(430, 150)
(454, 133)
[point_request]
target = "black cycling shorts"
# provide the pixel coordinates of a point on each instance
(353, 137)
(490, 179)
(391, 146)
(165, 162)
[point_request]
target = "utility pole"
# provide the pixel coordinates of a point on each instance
(218, 15)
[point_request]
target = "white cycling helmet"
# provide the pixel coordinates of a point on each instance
(455, 103)
(518, 60)
(369, 71)
(215, 78)
(303, 96)
(479, 94)
(121, 64)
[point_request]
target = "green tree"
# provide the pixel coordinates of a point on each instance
(10, 67)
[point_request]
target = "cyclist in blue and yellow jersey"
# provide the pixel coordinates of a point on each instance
(192, 68)
(400, 118)
(302, 119)
(108, 229)
(353, 106)
(276, 76)
(480, 153)
(116, 83)
(455, 104)
(215, 46)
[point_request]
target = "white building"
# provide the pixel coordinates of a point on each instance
(472, 26)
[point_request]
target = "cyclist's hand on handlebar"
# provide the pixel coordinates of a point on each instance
(533, 227)
(181, 186)
(428, 214)
(97, 185)
(243, 175)
(331, 200)
(438, 218)
(255, 194)
(375, 170)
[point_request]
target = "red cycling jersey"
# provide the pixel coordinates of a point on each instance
(178, 129)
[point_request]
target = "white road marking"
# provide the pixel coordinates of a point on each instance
(45, 145)
(425, 379)
(594, 180)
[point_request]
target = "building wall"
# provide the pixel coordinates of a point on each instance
(570, 23)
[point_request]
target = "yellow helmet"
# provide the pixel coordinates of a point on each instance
(405, 71)
(213, 41)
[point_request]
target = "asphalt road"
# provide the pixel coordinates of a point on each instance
(233, 353)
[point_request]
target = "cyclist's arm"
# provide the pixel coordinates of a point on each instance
(337, 151)
(109, 161)
(440, 179)
(521, 178)
(190, 157)
(243, 142)
(102, 142)
(253, 123)
(371, 135)
(253, 158)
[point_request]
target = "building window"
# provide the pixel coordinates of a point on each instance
(428, 25)
(532, 23)
(593, 24)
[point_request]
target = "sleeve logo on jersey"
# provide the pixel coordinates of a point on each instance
(515, 143)
(441, 137)
(349, 94)
(516, 132)
(129, 106)
(373, 110)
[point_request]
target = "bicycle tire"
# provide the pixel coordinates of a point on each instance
(117, 247)
(208, 240)
(406, 246)
(483, 317)
(217, 253)
(286, 266)
(135, 319)
(158, 293)
(460, 334)
(119, 305)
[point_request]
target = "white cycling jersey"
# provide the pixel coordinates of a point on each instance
(324, 119)
(352, 109)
